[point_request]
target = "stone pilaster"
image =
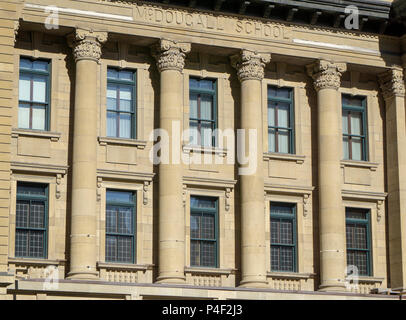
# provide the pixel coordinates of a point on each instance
(327, 78)
(87, 52)
(170, 56)
(250, 70)
(393, 90)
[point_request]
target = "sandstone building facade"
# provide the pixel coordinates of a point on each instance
(83, 85)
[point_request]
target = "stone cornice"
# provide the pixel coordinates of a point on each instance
(326, 74)
(86, 44)
(250, 64)
(170, 55)
(392, 83)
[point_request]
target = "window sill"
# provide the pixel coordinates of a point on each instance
(199, 149)
(214, 271)
(40, 262)
(125, 266)
(290, 275)
(284, 156)
(103, 141)
(53, 136)
(371, 280)
(359, 164)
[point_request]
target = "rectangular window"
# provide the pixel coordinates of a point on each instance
(358, 240)
(283, 237)
(280, 120)
(203, 232)
(203, 112)
(120, 226)
(121, 103)
(31, 220)
(354, 128)
(34, 94)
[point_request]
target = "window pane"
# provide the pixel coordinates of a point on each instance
(283, 141)
(352, 101)
(24, 88)
(38, 117)
(346, 146)
(36, 249)
(194, 133)
(37, 213)
(24, 116)
(40, 65)
(193, 83)
(279, 92)
(112, 73)
(275, 231)
(22, 209)
(195, 253)
(25, 63)
(126, 75)
(125, 98)
(361, 262)
(39, 88)
(125, 249)
(196, 202)
(356, 123)
(281, 209)
(356, 148)
(112, 97)
(112, 124)
(193, 106)
(195, 226)
(206, 107)
(271, 114)
(125, 125)
(345, 122)
(21, 246)
(271, 140)
(208, 230)
(206, 134)
(111, 248)
(208, 254)
(206, 84)
(119, 196)
(125, 224)
(286, 259)
(111, 219)
(286, 232)
(283, 115)
(275, 258)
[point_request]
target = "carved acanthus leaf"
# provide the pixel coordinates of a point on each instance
(87, 44)
(250, 65)
(326, 74)
(170, 55)
(392, 83)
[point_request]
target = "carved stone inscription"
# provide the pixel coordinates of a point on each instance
(208, 22)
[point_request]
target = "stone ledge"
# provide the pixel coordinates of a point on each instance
(199, 149)
(370, 280)
(284, 156)
(290, 275)
(359, 164)
(139, 144)
(209, 271)
(29, 261)
(123, 266)
(53, 136)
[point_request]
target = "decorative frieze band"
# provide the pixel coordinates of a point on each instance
(87, 44)
(170, 55)
(250, 65)
(392, 83)
(326, 74)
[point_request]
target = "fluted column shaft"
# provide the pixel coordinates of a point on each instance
(170, 61)
(327, 78)
(250, 68)
(393, 88)
(87, 51)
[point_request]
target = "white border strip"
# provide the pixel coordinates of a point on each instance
(335, 46)
(80, 12)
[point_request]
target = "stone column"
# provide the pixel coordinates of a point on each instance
(327, 78)
(250, 69)
(87, 51)
(170, 57)
(393, 89)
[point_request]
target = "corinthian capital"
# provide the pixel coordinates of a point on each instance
(87, 44)
(326, 74)
(392, 83)
(170, 55)
(250, 65)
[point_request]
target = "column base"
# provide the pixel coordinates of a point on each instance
(171, 280)
(253, 284)
(332, 288)
(83, 275)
